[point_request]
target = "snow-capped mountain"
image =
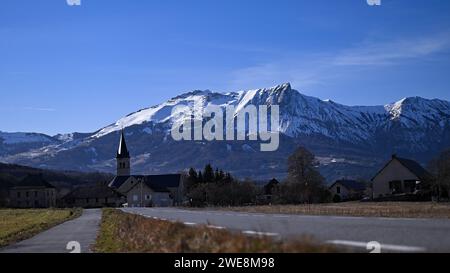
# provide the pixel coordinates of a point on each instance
(348, 140)
(18, 138)
(13, 143)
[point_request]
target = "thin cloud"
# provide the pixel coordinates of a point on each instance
(394, 52)
(41, 109)
(313, 69)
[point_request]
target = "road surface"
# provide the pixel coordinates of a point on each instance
(82, 230)
(394, 234)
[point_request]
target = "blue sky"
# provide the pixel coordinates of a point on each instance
(65, 69)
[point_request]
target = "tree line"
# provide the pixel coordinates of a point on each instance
(304, 184)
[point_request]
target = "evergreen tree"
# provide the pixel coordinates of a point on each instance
(221, 174)
(200, 178)
(216, 175)
(208, 174)
(192, 180)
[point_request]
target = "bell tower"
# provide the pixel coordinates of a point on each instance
(123, 158)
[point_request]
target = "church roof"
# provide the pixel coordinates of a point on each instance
(162, 183)
(118, 181)
(158, 183)
(122, 152)
(92, 191)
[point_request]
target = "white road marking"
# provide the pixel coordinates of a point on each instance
(251, 232)
(258, 215)
(399, 248)
(282, 216)
(215, 227)
(347, 218)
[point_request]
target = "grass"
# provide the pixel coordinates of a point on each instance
(20, 224)
(128, 233)
(382, 209)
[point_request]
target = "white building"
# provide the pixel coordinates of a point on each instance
(398, 176)
(348, 189)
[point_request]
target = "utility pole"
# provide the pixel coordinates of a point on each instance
(142, 192)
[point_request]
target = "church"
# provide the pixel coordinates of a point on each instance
(145, 190)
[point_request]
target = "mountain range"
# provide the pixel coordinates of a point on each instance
(348, 141)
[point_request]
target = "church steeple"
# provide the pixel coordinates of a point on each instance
(123, 157)
(122, 152)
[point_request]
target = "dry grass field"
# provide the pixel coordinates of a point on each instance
(128, 233)
(382, 209)
(21, 224)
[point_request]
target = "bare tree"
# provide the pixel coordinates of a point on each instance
(304, 182)
(441, 168)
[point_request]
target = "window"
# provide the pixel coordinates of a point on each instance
(18, 194)
(96, 200)
(35, 194)
(395, 187)
(135, 197)
(148, 197)
(87, 200)
(27, 194)
(338, 189)
(410, 186)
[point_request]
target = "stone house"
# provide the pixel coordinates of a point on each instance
(32, 192)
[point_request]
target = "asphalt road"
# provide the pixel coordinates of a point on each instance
(82, 230)
(393, 234)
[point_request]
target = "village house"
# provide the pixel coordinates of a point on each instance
(399, 176)
(93, 196)
(348, 189)
(145, 190)
(269, 190)
(32, 192)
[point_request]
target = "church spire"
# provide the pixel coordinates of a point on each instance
(122, 152)
(123, 157)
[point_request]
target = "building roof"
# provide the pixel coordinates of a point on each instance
(118, 181)
(122, 152)
(411, 165)
(162, 183)
(415, 168)
(34, 181)
(351, 184)
(94, 191)
(268, 188)
(158, 183)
